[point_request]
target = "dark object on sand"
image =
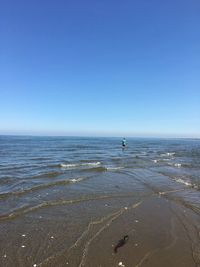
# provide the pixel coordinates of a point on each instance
(121, 243)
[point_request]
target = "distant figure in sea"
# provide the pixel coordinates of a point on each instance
(123, 142)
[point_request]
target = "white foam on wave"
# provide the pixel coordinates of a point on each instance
(160, 160)
(169, 154)
(77, 180)
(178, 165)
(75, 165)
(179, 180)
(68, 165)
(91, 164)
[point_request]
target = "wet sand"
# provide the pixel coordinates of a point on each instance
(160, 234)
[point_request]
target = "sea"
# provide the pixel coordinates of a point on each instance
(59, 194)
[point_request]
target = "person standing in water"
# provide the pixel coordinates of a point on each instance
(124, 142)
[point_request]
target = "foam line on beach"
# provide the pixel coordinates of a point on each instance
(150, 253)
(119, 213)
(27, 209)
(106, 221)
(179, 180)
(171, 191)
(86, 248)
(150, 183)
(42, 186)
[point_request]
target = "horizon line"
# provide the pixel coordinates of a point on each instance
(99, 136)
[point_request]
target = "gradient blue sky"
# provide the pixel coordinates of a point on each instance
(103, 67)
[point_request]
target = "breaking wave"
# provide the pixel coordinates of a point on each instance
(77, 165)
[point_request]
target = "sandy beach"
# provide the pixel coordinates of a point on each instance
(161, 233)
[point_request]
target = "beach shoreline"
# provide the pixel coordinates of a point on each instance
(74, 212)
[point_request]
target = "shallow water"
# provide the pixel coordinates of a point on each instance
(60, 196)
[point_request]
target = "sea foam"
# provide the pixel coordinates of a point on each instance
(179, 180)
(76, 165)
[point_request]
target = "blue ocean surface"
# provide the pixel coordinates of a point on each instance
(29, 162)
(35, 164)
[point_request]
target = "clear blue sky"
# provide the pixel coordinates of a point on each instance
(100, 67)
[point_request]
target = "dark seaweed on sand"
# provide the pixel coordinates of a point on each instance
(121, 243)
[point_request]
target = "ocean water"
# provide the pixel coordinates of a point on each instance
(55, 190)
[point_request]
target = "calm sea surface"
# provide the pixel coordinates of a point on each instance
(53, 188)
